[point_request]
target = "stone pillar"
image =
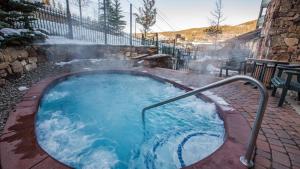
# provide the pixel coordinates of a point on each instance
(281, 31)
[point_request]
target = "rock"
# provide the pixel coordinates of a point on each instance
(31, 66)
(1, 56)
(11, 54)
(276, 41)
(22, 54)
(14, 53)
(9, 70)
(292, 49)
(128, 54)
(32, 59)
(4, 57)
(3, 66)
(17, 67)
(291, 41)
(2, 82)
(32, 52)
(134, 54)
(23, 62)
(3, 73)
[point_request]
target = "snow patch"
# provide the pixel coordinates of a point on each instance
(212, 69)
(12, 32)
(224, 105)
(78, 60)
(86, 68)
(22, 88)
(62, 40)
(67, 63)
(81, 33)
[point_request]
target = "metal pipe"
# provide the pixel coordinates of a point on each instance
(130, 38)
(69, 18)
(105, 21)
(247, 158)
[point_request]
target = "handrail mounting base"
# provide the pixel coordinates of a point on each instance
(245, 162)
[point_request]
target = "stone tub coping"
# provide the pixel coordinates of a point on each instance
(20, 149)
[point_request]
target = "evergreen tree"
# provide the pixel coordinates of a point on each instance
(101, 12)
(116, 19)
(147, 15)
(18, 14)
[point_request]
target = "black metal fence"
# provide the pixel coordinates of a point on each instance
(181, 56)
(56, 23)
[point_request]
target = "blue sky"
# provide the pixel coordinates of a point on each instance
(183, 14)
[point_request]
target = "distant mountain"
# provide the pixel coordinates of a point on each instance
(198, 34)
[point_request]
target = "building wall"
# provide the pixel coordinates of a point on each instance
(281, 31)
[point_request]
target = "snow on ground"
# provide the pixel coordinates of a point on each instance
(62, 40)
(215, 71)
(212, 69)
(84, 34)
(224, 105)
(12, 32)
(22, 88)
(78, 60)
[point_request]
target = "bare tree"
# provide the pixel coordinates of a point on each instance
(217, 17)
(147, 15)
(80, 4)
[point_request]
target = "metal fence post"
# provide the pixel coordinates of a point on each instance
(130, 25)
(174, 47)
(105, 22)
(156, 43)
(143, 39)
(70, 33)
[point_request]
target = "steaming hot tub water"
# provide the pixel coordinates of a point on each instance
(94, 121)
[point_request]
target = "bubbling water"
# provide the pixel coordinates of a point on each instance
(94, 121)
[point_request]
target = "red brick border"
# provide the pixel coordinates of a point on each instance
(19, 148)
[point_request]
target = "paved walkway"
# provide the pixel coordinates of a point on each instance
(278, 144)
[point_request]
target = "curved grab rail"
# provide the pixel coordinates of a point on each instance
(246, 159)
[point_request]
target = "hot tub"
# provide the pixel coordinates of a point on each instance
(94, 121)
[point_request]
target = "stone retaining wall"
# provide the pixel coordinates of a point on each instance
(68, 52)
(14, 61)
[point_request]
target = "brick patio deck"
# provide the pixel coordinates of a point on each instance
(278, 144)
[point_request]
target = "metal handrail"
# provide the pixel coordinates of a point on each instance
(247, 158)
